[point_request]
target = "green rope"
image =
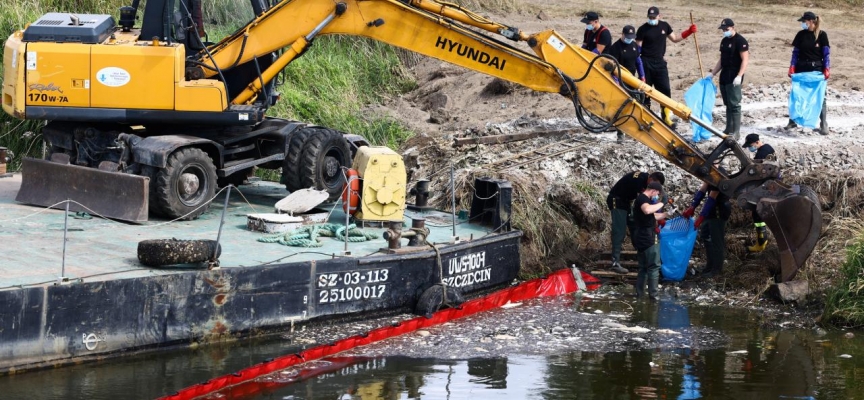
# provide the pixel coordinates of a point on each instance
(307, 236)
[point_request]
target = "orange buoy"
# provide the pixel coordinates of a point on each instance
(351, 192)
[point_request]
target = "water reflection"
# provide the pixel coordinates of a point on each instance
(756, 364)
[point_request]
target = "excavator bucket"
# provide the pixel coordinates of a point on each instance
(796, 222)
(110, 194)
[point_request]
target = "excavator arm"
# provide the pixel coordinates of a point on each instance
(601, 91)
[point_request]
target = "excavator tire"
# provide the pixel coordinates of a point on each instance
(291, 165)
(185, 186)
(325, 155)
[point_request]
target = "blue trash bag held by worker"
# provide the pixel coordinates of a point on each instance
(700, 98)
(805, 99)
(676, 244)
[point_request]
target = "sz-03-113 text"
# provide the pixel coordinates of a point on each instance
(352, 285)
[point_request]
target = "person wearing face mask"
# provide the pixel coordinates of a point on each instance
(626, 51)
(646, 213)
(712, 220)
(597, 36)
(734, 57)
(620, 203)
(811, 52)
(763, 151)
(651, 37)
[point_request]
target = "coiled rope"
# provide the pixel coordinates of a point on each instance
(307, 236)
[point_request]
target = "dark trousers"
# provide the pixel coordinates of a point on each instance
(713, 234)
(732, 100)
(657, 75)
(649, 270)
(619, 230)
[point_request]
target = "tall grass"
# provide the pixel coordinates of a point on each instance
(844, 305)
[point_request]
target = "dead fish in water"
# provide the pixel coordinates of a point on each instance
(633, 329)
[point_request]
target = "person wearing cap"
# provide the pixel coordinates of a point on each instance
(620, 203)
(734, 57)
(597, 36)
(646, 213)
(763, 152)
(712, 221)
(811, 52)
(651, 37)
(626, 52)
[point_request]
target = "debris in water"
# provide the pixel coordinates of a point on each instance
(845, 356)
(511, 305)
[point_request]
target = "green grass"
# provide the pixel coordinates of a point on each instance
(844, 305)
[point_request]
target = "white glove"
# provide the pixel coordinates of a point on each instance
(710, 76)
(737, 81)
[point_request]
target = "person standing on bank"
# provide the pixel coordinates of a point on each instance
(646, 213)
(712, 220)
(734, 57)
(763, 152)
(597, 36)
(626, 52)
(811, 52)
(651, 37)
(620, 203)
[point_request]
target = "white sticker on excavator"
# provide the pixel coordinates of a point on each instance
(14, 58)
(31, 60)
(113, 76)
(556, 43)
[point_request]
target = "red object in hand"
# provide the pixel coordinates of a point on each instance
(642, 79)
(699, 220)
(827, 73)
(791, 70)
(691, 30)
(688, 212)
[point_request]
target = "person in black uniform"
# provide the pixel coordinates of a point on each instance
(811, 52)
(597, 36)
(734, 56)
(620, 202)
(712, 220)
(626, 51)
(763, 152)
(646, 213)
(651, 37)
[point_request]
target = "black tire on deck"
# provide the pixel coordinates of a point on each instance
(159, 252)
(291, 165)
(325, 154)
(186, 184)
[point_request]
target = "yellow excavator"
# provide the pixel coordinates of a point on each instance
(155, 118)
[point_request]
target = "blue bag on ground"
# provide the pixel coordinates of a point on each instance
(676, 244)
(805, 99)
(700, 99)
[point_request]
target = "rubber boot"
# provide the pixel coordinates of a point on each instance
(791, 124)
(823, 119)
(667, 117)
(735, 129)
(761, 239)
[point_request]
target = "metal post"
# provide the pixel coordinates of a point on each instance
(221, 223)
(453, 197)
(65, 230)
(347, 208)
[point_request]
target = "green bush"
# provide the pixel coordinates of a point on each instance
(845, 302)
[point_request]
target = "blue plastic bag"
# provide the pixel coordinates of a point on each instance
(700, 99)
(805, 99)
(676, 244)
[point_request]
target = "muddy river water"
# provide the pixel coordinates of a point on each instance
(560, 348)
